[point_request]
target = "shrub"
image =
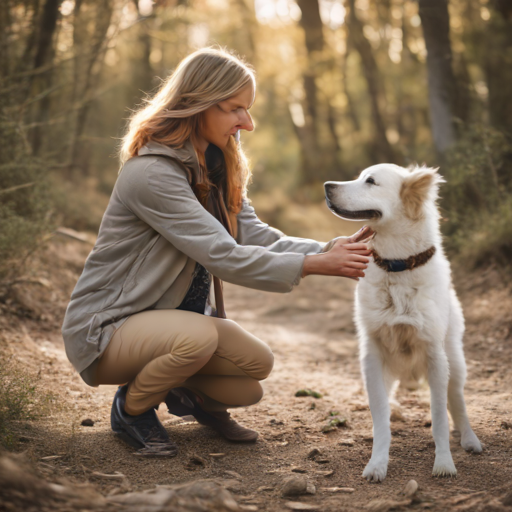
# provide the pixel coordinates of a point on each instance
(477, 198)
(18, 398)
(25, 206)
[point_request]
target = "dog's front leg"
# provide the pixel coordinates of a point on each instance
(438, 374)
(373, 375)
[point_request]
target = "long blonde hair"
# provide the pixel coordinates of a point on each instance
(174, 115)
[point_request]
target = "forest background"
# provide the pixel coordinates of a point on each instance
(341, 85)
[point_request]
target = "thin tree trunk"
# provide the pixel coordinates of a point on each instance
(441, 80)
(498, 65)
(40, 82)
(374, 81)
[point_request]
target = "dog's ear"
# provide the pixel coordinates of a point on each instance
(421, 183)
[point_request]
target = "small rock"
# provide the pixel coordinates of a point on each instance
(297, 486)
(308, 392)
(427, 424)
(312, 407)
(410, 488)
(297, 505)
(325, 473)
(507, 500)
(88, 423)
(347, 490)
(313, 453)
(507, 425)
(195, 462)
(234, 474)
(346, 442)
(275, 422)
(396, 415)
(299, 470)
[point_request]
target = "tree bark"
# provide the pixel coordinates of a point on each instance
(498, 65)
(382, 147)
(43, 82)
(435, 21)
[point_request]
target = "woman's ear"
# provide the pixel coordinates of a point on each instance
(416, 189)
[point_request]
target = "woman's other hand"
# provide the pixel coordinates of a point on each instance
(363, 235)
(342, 257)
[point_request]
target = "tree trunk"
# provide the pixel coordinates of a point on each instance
(43, 81)
(498, 65)
(382, 147)
(318, 138)
(441, 80)
(89, 33)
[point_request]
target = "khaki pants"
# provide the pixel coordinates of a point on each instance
(155, 351)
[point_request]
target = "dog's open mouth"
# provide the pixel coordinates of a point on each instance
(353, 215)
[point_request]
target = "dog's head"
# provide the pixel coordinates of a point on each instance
(384, 193)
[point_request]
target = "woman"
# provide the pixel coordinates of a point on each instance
(137, 315)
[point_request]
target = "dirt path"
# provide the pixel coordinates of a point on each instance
(312, 336)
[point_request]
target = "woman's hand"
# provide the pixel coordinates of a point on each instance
(342, 257)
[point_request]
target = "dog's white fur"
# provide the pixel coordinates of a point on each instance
(410, 324)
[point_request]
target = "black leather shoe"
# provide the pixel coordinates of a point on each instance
(183, 402)
(143, 431)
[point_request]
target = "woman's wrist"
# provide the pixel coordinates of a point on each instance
(311, 264)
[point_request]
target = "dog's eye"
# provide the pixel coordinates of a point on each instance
(370, 180)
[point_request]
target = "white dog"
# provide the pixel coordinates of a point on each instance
(408, 317)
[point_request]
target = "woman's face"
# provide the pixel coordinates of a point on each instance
(224, 119)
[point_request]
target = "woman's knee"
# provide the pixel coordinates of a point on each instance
(199, 340)
(245, 350)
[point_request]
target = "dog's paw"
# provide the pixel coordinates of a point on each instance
(470, 443)
(444, 466)
(376, 471)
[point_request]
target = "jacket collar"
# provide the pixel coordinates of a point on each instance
(186, 154)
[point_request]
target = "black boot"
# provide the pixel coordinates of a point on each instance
(183, 402)
(143, 431)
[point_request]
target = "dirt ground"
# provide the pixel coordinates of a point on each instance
(313, 338)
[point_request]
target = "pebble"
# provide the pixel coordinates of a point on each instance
(396, 415)
(347, 442)
(325, 473)
(410, 488)
(234, 474)
(87, 423)
(313, 453)
(296, 486)
(297, 505)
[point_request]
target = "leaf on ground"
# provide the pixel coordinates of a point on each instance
(308, 392)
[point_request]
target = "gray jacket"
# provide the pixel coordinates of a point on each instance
(153, 232)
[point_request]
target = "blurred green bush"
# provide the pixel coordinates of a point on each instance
(25, 205)
(477, 198)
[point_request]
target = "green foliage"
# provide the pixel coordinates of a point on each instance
(19, 399)
(477, 198)
(24, 217)
(25, 207)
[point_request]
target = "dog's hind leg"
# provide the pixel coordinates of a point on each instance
(375, 383)
(438, 382)
(456, 402)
